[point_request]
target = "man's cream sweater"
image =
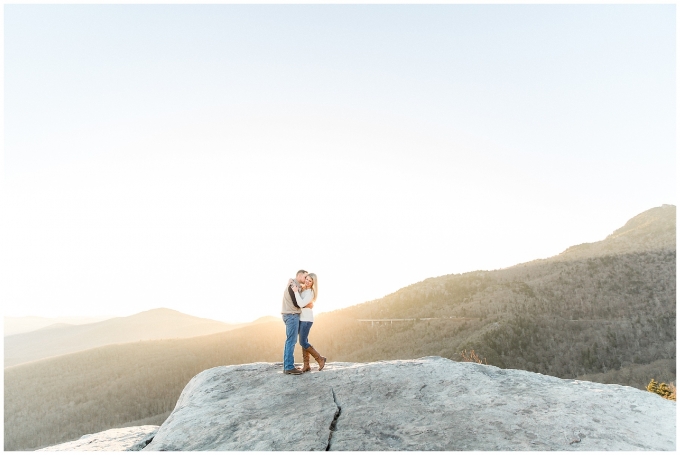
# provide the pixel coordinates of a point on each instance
(288, 307)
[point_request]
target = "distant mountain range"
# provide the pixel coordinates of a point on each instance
(602, 311)
(60, 338)
(14, 325)
(265, 319)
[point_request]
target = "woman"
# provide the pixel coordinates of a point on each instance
(306, 300)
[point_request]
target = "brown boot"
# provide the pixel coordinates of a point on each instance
(293, 371)
(319, 359)
(305, 361)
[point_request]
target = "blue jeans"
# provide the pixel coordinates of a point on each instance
(292, 322)
(305, 327)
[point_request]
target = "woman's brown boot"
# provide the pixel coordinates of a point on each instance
(305, 360)
(319, 359)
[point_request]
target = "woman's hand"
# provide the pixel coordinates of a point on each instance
(310, 306)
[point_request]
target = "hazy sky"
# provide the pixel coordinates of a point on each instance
(194, 157)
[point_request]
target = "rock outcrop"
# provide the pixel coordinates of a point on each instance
(115, 440)
(425, 404)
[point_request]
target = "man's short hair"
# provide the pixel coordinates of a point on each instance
(300, 271)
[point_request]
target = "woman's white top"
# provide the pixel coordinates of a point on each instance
(303, 299)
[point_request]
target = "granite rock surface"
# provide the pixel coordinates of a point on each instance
(430, 403)
(114, 440)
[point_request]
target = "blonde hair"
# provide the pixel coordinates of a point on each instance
(315, 286)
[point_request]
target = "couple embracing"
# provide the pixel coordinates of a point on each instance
(298, 301)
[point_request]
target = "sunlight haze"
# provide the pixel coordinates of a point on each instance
(194, 157)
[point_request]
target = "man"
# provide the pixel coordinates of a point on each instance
(291, 317)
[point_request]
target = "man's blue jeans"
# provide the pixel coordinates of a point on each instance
(305, 327)
(292, 322)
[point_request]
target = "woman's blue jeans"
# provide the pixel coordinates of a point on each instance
(292, 322)
(305, 327)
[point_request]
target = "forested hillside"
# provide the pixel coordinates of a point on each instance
(608, 315)
(559, 318)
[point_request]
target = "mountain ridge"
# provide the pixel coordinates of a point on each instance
(156, 323)
(21, 324)
(650, 230)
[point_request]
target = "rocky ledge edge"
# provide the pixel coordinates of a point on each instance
(114, 440)
(430, 403)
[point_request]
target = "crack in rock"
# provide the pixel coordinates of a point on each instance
(141, 444)
(335, 420)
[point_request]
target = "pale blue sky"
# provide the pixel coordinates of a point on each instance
(425, 139)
